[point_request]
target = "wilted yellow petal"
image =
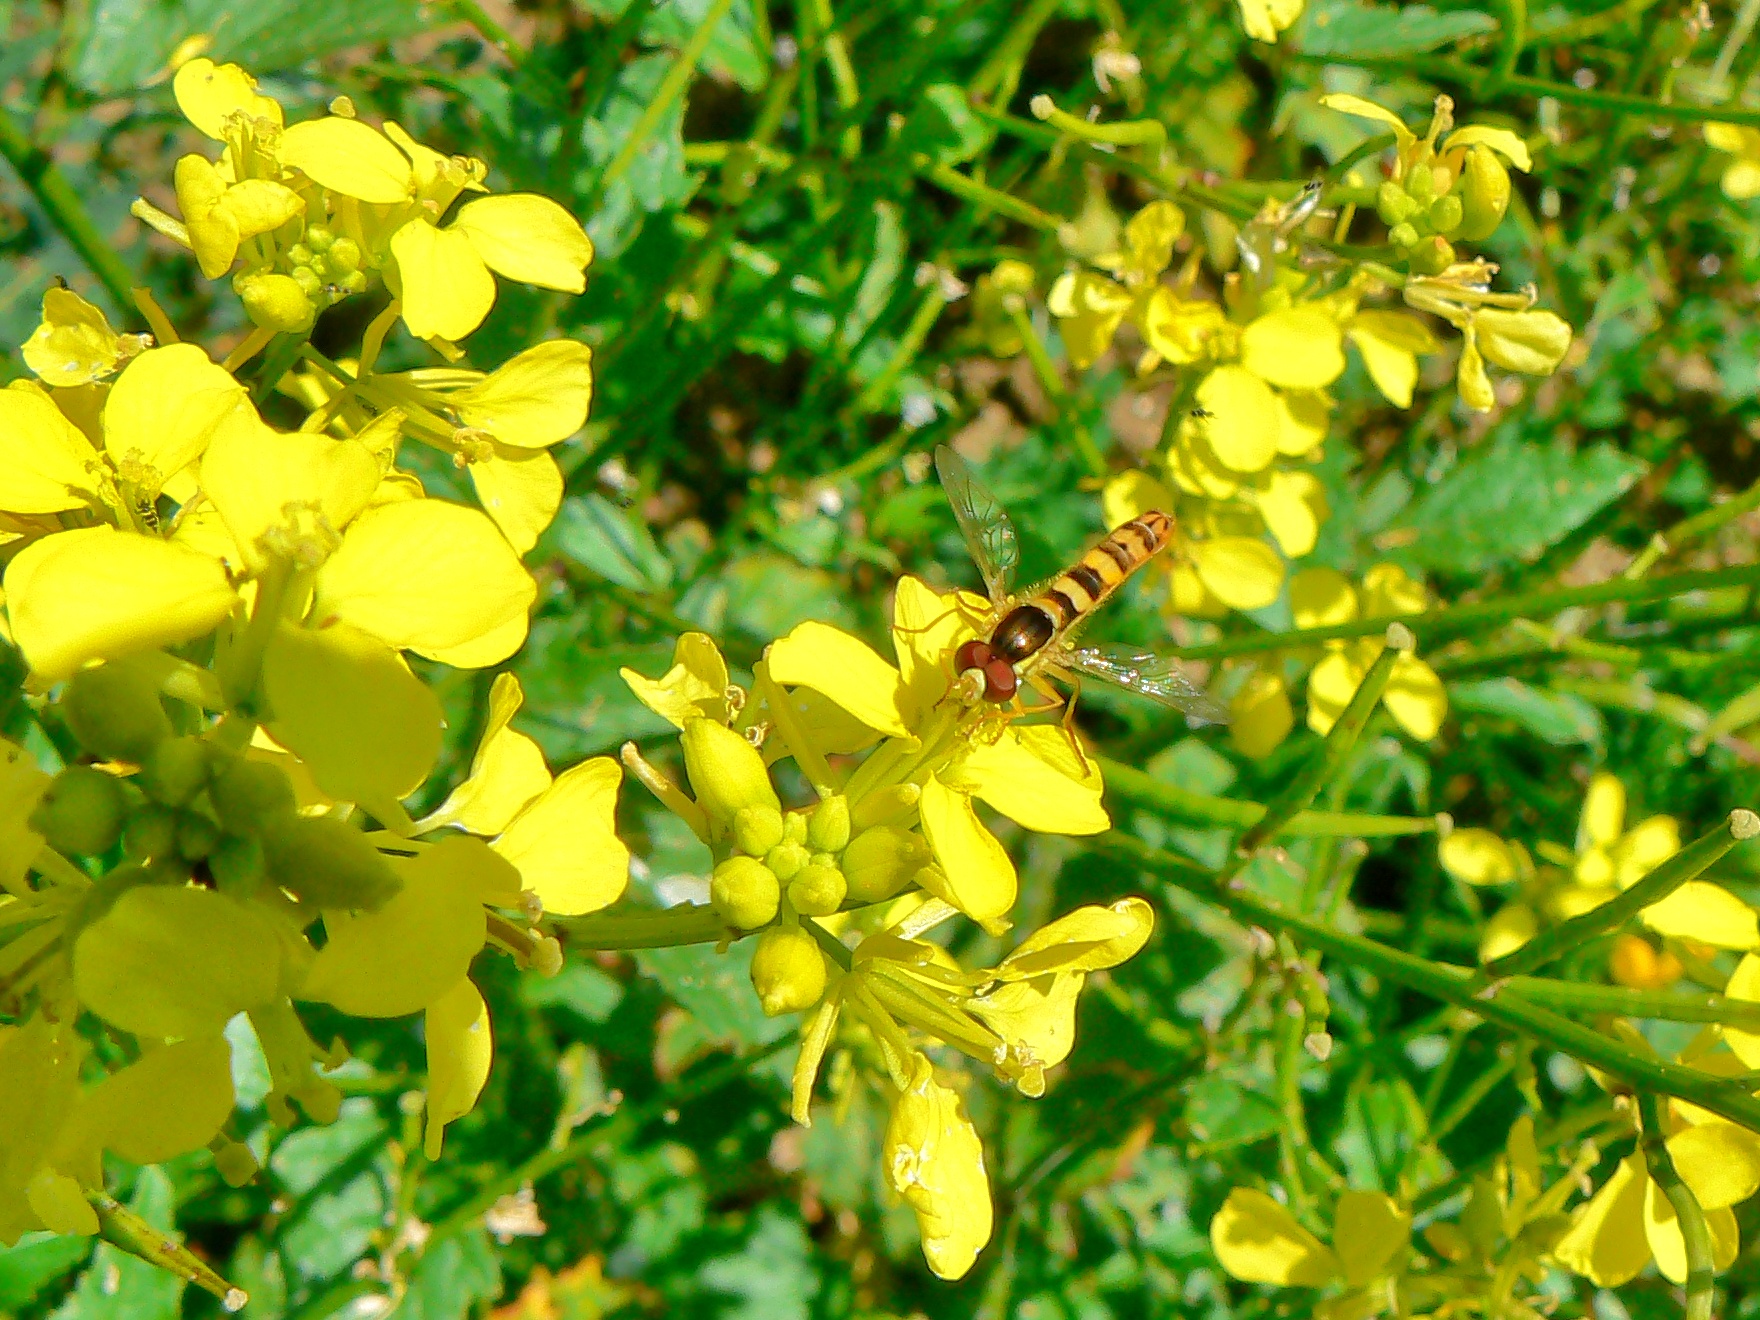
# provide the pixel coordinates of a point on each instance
(164, 408)
(1243, 419)
(521, 490)
(1297, 348)
(1368, 1230)
(423, 575)
(176, 961)
(1086, 940)
(349, 157)
(976, 875)
(934, 1160)
(97, 593)
(527, 238)
(447, 290)
(844, 669)
(565, 842)
(1259, 1241)
(347, 705)
(46, 465)
(696, 685)
(74, 344)
(1478, 857)
(1700, 910)
(1242, 571)
(209, 94)
(1032, 775)
(535, 399)
(1606, 1242)
(461, 1047)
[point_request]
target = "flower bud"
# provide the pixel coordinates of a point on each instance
(785, 860)
(817, 891)
(1403, 235)
(879, 862)
(114, 710)
(81, 811)
(1432, 256)
(1393, 204)
(1420, 185)
(249, 795)
(236, 862)
(757, 829)
(343, 257)
(886, 806)
(1445, 214)
(1484, 191)
(275, 302)
(175, 770)
(726, 772)
(1530, 342)
(828, 826)
(310, 282)
(745, 893)
(327, 862)
(788, 971)
(319, 238)
(196, 836)
(150, 832)
(794, 828)
(300, 255)
(235, 1163)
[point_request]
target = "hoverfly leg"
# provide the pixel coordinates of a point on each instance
(933, 623)
(1068, 720)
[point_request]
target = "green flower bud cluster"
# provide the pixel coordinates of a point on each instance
(193, 808)
(322, 269)
(1428, 210)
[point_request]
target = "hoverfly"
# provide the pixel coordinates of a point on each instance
(1033, 633)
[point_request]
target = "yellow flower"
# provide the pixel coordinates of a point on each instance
(1391, 344)
(1258, 1240)
(1264, 19)
(1219, 558)
(1741, 177)
(1260, 717)
(1415, 696)
(1090, 307)
(74, 344)
(934, 1160)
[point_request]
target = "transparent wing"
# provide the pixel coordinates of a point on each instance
(1147, 674)
(988, 532)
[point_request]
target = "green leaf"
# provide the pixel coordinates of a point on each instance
(941, 126)
(1558, 718)
(612, 542)
(582, 988)
(449, 1281)
(35, 1262)
(1223, 1111)
(1348, 27)
(119, 1286)
(656, 179)
(128, 43)
(1511, 499)
(733, 52)
(716, 990)
(772, 1273)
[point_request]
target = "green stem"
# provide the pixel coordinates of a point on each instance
(686, 924)
(910, 343)
(1561, 939)
(1695, 528)
(1171, 802)
(1000, 74)
(1131, 133)
(122, 1227)
(491, 31)
(1622, 1001)
(1452, 985)
(1467, 1100)
(1512, 37)
(1694, 1231)
(39, 172)
(969, 189)
(1441, 625)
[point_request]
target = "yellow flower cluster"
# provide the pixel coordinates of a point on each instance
(843, 891)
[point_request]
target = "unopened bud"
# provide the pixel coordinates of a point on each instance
(275, 302)
(114, 710)
(175, 770)
(1403, 235)
(310, 282)
(300, 255)
(745, 893)
(1445, 214)
(880, 862)
(1484, 192)
(319, 238)
(150, 832)
(196, 836)
(817, 891)
(726, 772)
(828, 826)
(81, 811)
(236, 862)
(1420, 184)
(788, 971)
(327, 862)
(1432, 256)
(344, 256)
(1393, 204)
(248, 795)
(786, 860)
(794, 828)
(757, 829)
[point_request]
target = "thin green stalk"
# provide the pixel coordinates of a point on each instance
(910, 343)
(1694, 529)
(1622, 1001)
(1453, 985)
(1701, 1284)
(38, 171)
(123, 1228)
(1513, 35)
(1556, 941)
(671, 88)
(969, 189)
(1436, 626)
(999, 75)
(491, 31)
(1172, 802)
(686, 924)
(1468, 1099)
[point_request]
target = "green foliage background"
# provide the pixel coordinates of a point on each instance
(769, 365)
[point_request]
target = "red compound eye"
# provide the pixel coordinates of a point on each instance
(999, 679)
(974, 654)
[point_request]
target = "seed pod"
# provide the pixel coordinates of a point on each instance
(1484, 191)
(817, 891)
(114, 710)
(880, 862)
(1393, 203)
(327, 862)
(828, 826)
(248, 794)
(788, 971)
(81, 811)
(757, 829)
(745, 893)
(175, 770)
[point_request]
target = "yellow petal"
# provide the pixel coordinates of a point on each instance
(1733, 137)
(1089, 308)
(1321, 597)
(74, 344)
(97, 593)
(535, 399)
(1264, 19)
(507, 771)
(258, 206)
(209, 94)
(844, 669)
(1478, 857)
(347, 705)
(1086, 940)
(1389, 589)
(565, 842)
(521, 491)
(1505, 143)
(447, 290)
(1037, 1019)
(165, 406)
(1182, 332)
(1368, 1230)
(1416, 698)
(1741, 180)
(486, 649)
(1293, 506)
(1131, 494)
(166, 961)
(1744, 983)
(349, 157)
(1243, 419)
(1719, 1161)
(1260, 716)
(1606, 1242)
(1513, 925)
(695, 686)
(1302, 418)
(1347, 104)
(927, 626)
(1035, 777)
(1604, 813)
(461, 1047)
(171, 1101)
(1663, 1230)
(1643, 848)
(975, 873)
(46, 465)
(528, 238)
(1532, 342)
(1242, 571)
(1298, 348)
(415, 948)
(1331, 685)
(424, 575)
(1471, 380)
(1391, 344)
(1259, 1241)
(1150, 236)
(934, 1160)
(1700, 910)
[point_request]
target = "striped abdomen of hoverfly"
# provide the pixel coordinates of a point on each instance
(1071, 596)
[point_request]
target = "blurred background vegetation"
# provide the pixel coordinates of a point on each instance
(789, 204)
